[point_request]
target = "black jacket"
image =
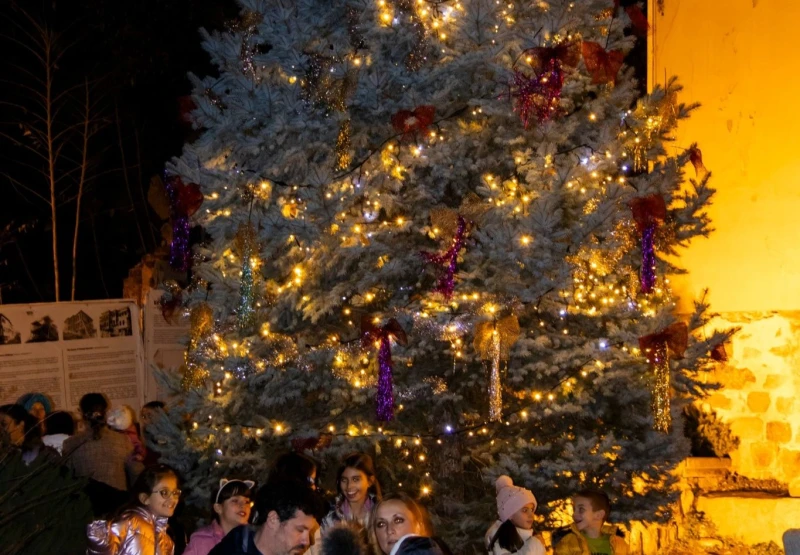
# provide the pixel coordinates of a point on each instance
(239, 541)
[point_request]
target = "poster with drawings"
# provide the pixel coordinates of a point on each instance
(66, 350)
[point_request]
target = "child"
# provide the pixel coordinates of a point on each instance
(513, 532)
(232, 505)
(60, 426)
(141, 528)
(122, 420)
(587, 535)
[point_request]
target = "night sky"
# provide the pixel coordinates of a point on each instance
(135, 55)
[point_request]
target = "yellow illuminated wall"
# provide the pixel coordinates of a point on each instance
(741, 60)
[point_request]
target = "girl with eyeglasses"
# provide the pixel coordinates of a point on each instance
(141, 527)
(231, 504)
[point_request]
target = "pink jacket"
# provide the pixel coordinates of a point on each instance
(204, 539)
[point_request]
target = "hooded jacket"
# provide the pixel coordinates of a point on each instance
(135, 532)
(570, 541)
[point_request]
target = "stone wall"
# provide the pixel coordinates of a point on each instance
(759, 394)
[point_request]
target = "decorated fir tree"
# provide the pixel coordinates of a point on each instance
(440, 232)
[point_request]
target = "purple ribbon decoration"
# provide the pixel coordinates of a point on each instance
(447, 281)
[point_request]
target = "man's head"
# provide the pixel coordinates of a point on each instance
(289, 516)
(590, 509)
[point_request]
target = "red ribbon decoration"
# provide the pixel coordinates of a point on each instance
(189, 197)
(602, 65)
(719, 353)
(638, 20)
(648, 210)
(186, 106)
(696, 158)
(408, 122)
(674, 336)
(567, 54)
(370, 333)
(312, 443)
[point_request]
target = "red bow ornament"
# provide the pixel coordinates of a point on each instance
(413, 121)
(602, 65)
(371, 334)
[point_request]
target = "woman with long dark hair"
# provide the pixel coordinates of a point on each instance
(358, 491)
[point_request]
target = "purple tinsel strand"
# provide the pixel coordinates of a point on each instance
(447, 282)
(179, 252)
(648, 272)
(538, 94)
(385, 396)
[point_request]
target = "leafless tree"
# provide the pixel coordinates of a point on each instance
(55, 117)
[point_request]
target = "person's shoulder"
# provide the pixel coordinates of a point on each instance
(239, 541)
(559, 534)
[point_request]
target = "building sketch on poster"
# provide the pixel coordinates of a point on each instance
(164, 345)
(66, 350)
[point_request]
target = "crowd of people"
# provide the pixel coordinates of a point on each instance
(134, 498)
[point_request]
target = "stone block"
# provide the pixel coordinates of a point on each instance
(785, 405)
(763, 454)
(774, 381)
(758, 401)
(734, 378)
(751, 519)
(748, 428)
(779, 432)
(719, 401)
(790, 464)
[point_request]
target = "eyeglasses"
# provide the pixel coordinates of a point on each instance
(166, 494)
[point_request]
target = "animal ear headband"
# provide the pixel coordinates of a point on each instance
(224, 482)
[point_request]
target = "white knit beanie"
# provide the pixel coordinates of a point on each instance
(511, 498)
(120, 418)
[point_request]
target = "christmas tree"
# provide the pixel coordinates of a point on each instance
(440, 232)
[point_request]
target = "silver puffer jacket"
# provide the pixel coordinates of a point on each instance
(135, 532)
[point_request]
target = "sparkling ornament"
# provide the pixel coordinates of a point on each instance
(343, 157)
(602, 65)
(201, 322)
(493, 342)
(247, 25)
(246, 248)
(371, 334)
(417, 56)
(193, 376)
(539, 94)
(648, 213)
(410, 122)
(455, 223)
(447, 283)
(657, 348)
(184, 201)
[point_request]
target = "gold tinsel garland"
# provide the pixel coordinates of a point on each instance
(493, 342)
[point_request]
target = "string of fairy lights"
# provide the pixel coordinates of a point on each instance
(217, 350)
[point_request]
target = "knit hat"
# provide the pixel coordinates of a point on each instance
(511, 498)
(120, 418)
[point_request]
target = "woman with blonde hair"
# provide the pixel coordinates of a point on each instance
(395, 520)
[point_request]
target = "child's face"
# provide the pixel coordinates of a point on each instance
(523, 518)
(234, 511)
(585, 517)
(164, 497)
